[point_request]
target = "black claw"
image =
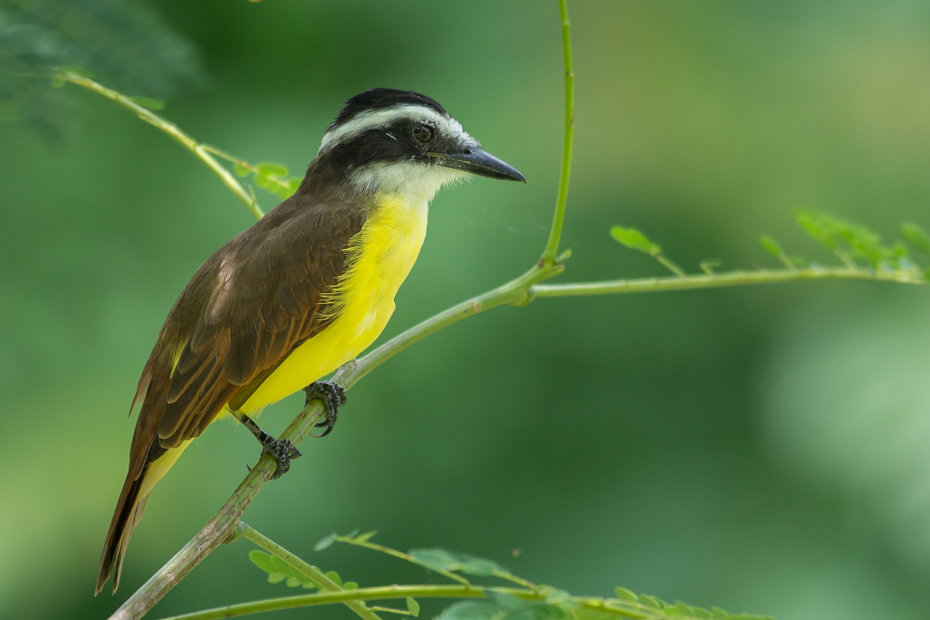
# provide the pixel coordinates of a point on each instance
(283, 451)
(333, 395)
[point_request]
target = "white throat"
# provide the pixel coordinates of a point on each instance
(415, 182)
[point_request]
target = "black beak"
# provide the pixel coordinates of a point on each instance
(476, 161)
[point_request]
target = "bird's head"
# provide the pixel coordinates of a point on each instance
(400, 142)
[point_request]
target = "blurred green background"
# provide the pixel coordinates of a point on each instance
(761, 449)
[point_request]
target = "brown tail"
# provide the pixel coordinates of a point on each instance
(128, 512)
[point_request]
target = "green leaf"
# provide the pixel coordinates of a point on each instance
(650, 601)
(334, 577)
(507, 601)
(350, 585)
(293, 582)
(771, 246)
(58, 80)
(275, 578)
(492, 610)
(262, 560)
(558, 596)
(413, 607)
(625, 595)
(436, 559)
(632, 238)
(240, 170)
(479, 567)
(818, 226)
(145, 102)
(280, 566)
(678, 610)
(916, 236)
(444, 560)
(262, 181)
(325, 542)
(272, 170)
(361, 538)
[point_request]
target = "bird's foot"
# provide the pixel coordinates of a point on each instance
(282, 450)
(333, 395)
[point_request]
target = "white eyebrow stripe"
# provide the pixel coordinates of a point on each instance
(379, 118)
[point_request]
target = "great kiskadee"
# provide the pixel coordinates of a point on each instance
(303, 291)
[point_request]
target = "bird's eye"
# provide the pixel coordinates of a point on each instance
(423, 133)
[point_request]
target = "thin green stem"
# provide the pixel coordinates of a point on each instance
(610, 606)
(671, 266)
(312, 572)
(198, 150)
(736, 278)
(555, 233)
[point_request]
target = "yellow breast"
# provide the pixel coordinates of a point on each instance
(380, 256)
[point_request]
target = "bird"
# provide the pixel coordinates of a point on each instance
(301, 292)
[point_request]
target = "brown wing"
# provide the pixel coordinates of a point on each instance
(246, 308)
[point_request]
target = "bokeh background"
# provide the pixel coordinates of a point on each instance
(762, 449)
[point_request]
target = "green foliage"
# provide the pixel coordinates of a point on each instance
(916, 236)
(278, 570)
(270, 176)
(126, 43)
(644, 605)
(533, 602)
(503, 607)
(445, 561)
(273, 178)
(847, 240)
(325, 542)
(771, 246)
(145, 102)
(632, 238)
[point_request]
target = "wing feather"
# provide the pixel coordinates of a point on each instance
(268, 297)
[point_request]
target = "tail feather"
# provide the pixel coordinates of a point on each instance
(128, 511)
